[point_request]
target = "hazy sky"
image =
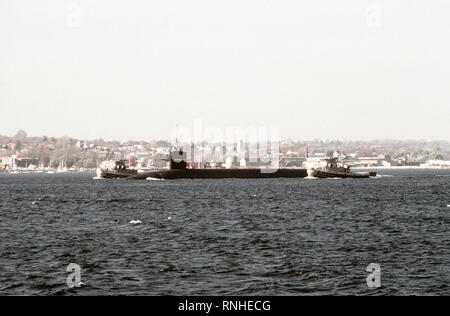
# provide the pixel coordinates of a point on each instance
(315, 69)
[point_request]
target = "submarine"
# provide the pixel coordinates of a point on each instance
(178, 170)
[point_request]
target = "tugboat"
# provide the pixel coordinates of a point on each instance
(334, 170)
(115, 169)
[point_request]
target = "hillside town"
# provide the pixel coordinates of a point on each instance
(29, 153)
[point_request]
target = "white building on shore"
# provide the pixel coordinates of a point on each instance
(437, 163)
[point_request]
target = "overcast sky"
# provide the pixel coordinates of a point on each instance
(123, 70)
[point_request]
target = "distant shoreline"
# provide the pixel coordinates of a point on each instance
(399, 167)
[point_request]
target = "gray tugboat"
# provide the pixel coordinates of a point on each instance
(334, 170)
(115, 169)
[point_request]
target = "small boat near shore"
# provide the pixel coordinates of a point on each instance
(334, 170)
(62, 167)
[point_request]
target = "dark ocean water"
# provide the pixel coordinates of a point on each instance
(227, 237)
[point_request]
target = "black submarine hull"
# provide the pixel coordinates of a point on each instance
(244, 173)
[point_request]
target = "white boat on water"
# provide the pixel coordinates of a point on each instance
(62, 167)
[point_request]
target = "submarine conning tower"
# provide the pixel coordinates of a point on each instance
(178, 159)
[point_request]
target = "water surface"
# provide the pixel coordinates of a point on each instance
(226, 237)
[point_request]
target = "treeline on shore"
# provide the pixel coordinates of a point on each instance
(50, 151)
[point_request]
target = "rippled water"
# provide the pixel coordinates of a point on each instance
(227, 237)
